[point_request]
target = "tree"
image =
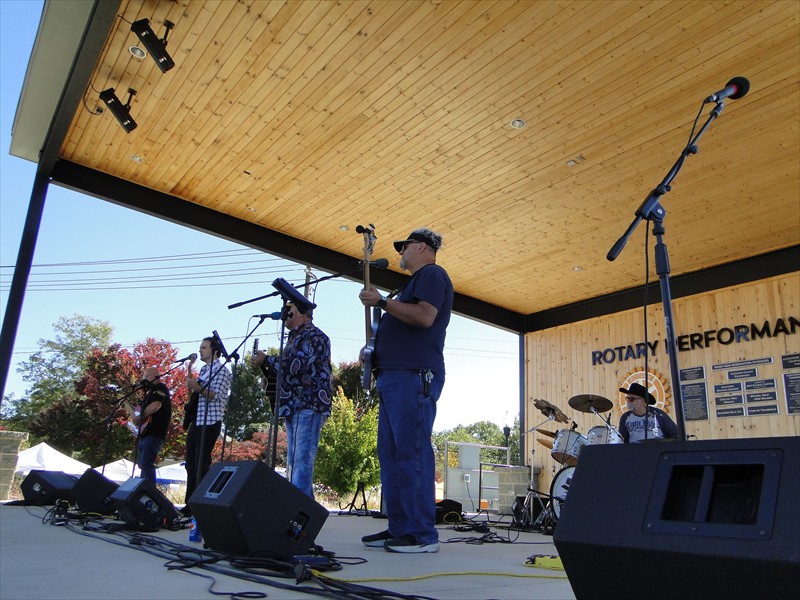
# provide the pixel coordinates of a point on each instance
(347, 376)
(483, 432)
(52, 370)
(91, 423)
(248, 407)
(348, 453)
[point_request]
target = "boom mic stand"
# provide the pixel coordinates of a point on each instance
(651, 210)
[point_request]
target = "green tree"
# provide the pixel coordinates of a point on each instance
(483, 432)
(347, 376)
(348, 453)
(52, 370)
(248, 406)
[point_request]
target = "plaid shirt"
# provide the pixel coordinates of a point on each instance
(220, 385)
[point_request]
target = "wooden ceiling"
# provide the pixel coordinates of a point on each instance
(309, 117)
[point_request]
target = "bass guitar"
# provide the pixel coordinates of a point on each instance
(371, 317)
(190, 408)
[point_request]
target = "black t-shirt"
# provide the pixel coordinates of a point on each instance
(159, 421)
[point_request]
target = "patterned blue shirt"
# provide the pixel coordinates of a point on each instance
(220, 385)
(306, 371)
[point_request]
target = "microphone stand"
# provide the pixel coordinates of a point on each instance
(109, 420)
(272, 444)
(234, 372)
(299, 287)
(651, 210)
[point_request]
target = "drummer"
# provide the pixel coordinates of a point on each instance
(640, 410)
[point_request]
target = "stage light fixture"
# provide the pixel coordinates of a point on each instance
(118, 109)
(157, 48)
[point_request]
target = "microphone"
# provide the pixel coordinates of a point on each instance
(381, 263)
(192, 356)
(220, 345)
(276, 316)
(734, 89)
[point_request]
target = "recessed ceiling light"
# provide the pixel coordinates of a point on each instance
(577, 268)
(137, 52)
(137, 159)
(576, 161)
(344, 228)
(518, 123)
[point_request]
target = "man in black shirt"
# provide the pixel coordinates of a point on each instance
(153, 422)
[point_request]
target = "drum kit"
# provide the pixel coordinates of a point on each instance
(541, 511)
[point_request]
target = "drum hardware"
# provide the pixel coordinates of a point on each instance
(550, 410)
(531, 518)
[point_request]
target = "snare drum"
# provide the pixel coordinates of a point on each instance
(567, 447)
(560, 487)
(603, 434)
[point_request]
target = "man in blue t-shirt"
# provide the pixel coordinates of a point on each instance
(409, 360)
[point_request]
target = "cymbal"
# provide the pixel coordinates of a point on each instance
(550, 410)
(587, 402)
(547, 433)
(545, 442)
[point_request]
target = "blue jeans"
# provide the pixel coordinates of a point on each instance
(147, 450)
(302, 442)
(408, 472)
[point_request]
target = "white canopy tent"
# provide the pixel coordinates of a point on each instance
(45, 458)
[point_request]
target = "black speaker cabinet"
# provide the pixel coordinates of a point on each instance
(43, 488)
(92, 493)
(140, 504)
(246, 508)
(702, 519)
(448, 511)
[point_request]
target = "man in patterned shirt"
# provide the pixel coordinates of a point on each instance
(305, 398)
(211, 388)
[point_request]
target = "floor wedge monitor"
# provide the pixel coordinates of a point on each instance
(700, 519)
(92, 493)
(141, 505)
(44, 488)
(247, 508)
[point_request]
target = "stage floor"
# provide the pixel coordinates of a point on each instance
(45, 561)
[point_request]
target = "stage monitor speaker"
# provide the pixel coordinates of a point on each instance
(246, 508)
(448, 511)
(92, 493)
(140, 504)
(703, 519)
(44, 488)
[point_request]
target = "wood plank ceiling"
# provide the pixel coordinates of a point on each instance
(309, 117)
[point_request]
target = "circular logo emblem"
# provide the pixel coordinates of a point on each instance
(656, 385)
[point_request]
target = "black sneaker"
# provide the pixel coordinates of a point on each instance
(376, 540)
(408, 545)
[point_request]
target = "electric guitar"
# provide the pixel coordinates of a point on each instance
(132, 412)
(190, 408)
(371, 317)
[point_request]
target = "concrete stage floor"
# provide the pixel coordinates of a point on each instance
(45, 561)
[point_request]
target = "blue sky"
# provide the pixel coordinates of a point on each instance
(183, 295)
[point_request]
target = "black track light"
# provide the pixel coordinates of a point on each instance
(118, 109)
(157, 48)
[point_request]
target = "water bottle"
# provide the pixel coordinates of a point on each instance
(194, 532)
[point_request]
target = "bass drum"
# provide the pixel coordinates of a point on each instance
(560, 487)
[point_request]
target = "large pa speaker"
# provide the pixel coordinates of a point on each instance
(141, 505)
(246, 508)
(92, 493)
(704, 519)
(44, 488)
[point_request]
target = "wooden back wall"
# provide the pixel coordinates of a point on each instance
(739, 358)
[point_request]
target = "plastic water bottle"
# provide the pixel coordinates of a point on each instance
(194, 532)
